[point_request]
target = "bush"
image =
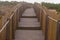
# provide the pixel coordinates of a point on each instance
(6, 3)
(52, 6)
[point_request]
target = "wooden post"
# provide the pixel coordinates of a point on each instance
(3, 31)
(0, 27)
(14, 25)
(58, 30)
(11, 26)
(46, 28)
(52, 28)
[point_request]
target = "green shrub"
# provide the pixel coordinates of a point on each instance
(52, 6)
(6, 3)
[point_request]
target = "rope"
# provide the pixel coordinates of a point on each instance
(4, 26)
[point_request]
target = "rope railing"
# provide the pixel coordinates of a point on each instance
(11, 16)
(4, 26)
(52, 19)
(6, 23)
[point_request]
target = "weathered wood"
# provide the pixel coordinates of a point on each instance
(29, 17)
(28, 28)
(37, 11)
(52, 26)
(10, 29)
(0, 22)
(58, 30)
(43, 23)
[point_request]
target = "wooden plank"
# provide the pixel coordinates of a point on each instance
(28, 17)
(28, 28)
(13, 25)
(46, 28)
(43, 22)
(3, 31)
(58, 30)
(10, 29)
(0, 22)
(3, 34)
(52, 28)
(37, 11)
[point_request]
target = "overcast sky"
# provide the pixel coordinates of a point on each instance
(39, 1)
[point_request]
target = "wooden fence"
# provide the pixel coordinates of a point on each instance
(37, 10)
(7, 30)
(50, 23)
(49, 20)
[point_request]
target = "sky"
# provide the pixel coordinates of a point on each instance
(39, 1)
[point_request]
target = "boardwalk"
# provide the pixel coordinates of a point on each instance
(29, 22)
(29, 12)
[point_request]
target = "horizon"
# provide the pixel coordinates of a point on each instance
(38, 1)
